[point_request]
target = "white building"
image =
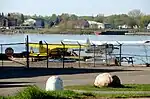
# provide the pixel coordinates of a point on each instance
(123, 26)
(94, 24)
(29, 22)
(148, 26)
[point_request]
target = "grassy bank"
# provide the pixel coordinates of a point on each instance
(68, 30)
(34, 92)
(59, 31)
(126, 87)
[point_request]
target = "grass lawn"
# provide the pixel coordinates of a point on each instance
(127, 91)
(126, 87)
(33, 92)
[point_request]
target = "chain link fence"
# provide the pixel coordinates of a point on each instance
(11, 54)
(64, 55)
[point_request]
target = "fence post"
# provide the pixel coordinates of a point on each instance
(47, 53)
(94, 53)
(63, 53)
(2, 54)
(79, 52)
(146, 56)
(120, 53)
(27, 48)
(106, 53)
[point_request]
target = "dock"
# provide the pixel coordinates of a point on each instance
(138, 33)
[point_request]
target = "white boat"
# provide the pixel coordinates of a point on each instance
(102, 46)
(102, 49)
(106, 42)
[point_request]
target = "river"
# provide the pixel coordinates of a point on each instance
(56, 38)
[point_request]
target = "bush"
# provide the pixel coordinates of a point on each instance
(34, 92)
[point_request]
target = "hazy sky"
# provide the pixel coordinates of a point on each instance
(79, 7)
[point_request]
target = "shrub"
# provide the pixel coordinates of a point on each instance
(33, 92)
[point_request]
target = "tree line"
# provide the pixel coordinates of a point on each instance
(133, 18)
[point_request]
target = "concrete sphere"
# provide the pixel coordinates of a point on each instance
(103, 80)
(54, 83)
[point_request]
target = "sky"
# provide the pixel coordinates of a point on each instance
(78, 7)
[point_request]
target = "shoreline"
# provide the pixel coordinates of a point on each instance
(65, 33)
(76, 31)
(127, 34)
(139, 33)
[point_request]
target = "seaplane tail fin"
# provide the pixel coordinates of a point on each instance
(41, 48)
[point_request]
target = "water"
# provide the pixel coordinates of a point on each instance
(56, 38)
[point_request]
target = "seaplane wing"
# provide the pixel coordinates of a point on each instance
(107, 42)
(53, 46)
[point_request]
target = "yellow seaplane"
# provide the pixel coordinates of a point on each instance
(53, 50)
(58, 50)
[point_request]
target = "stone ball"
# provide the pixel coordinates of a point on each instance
(54, 83)
(103, 80)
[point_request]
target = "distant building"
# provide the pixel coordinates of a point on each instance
(82, 24)
(7, 21)
(108, 26)
(148, 26)
(136, 27)
(124, 26)
(94, 24)
(3, 22)
(98, 25)
(29, 22)
(12, 22)
(57, 21)
(39, 23)
(51, 24)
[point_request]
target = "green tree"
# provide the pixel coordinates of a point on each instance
(135, 13)
(22, 18)
(47, 18)
(65, 17)
(99, 18)
(110, 19)
(34, 16)
(16, 17)
(73, 17)
(117, 20)
(144, 21)
(131, 22)
(2, 14)
(89, 18)
(53, 17)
